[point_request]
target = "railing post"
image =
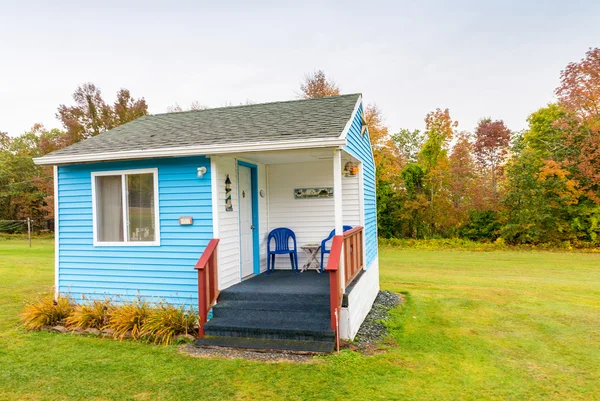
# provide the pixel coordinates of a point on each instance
(201, 302)
(208, 279)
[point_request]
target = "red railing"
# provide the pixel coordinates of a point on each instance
(352, 244)
(208, 283)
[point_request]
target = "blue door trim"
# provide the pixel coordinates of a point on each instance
(255, 240)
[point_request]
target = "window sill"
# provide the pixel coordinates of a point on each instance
(128, 244)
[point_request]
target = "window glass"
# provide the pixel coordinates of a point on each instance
(140, 207)
(109, 208)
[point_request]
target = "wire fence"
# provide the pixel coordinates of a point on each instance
(26, 227)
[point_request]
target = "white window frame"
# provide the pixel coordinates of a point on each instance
(126, 241)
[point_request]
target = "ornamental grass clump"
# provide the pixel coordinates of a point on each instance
(93, 315)
(167, 321)
(128, 318)
(46, 311)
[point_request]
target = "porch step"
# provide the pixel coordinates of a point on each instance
(233, 294)
(287, 327)
(301, 311)
(277, 311)
(267, 344)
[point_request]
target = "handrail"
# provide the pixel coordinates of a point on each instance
(351, 242)
(335, 286)
(353, 254)
(352, 231)
(208, 283)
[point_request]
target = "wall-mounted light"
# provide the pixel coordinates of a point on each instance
(350, 169)
(201, 172)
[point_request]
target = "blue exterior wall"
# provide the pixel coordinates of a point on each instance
(155, 272)
(359, 146)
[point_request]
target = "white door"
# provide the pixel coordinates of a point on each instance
(246, 227)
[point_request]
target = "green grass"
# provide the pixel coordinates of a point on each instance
(476, 325)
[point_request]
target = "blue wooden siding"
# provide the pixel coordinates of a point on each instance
(360, 147)
(154, 272)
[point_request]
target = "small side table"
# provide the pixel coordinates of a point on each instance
(311, 251)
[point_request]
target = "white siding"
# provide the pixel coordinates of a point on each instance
(351, 201)
(229, 244)
(360, 302)
(310, 219)
(263, 223)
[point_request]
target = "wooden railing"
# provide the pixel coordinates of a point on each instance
(208, 283)
(352, 245)
(353, 254)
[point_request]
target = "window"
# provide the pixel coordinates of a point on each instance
(125, 207)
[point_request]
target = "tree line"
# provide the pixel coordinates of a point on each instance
(539, 185)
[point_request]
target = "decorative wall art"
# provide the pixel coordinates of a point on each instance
(308, 193)
(228, 205)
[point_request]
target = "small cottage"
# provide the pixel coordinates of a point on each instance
(261, 216)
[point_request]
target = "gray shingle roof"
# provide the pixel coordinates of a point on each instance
(323, 118)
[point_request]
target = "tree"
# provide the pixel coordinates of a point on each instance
(462, 177)
(317, 85)
(195, 105)
(439, 130)
(91, 115)
(579, 96)
(409, 144)
(26, 190)
(491, 147)
(126, 108)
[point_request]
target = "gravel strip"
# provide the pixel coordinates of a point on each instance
(223, 352)
(373, 329)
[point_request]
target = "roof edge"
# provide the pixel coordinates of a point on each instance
(190, 151)
(351, 120)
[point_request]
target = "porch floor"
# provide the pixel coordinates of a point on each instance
(285, 282)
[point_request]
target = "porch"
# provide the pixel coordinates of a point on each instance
(260, 191)
(285, 309)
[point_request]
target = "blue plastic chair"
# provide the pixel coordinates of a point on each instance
(282, 247)
(324, 249)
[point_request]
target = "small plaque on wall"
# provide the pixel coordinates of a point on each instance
(308, 193)
(186, 220)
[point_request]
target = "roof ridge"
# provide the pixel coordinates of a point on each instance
(255, 104)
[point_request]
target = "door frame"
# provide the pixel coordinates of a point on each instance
(255, 218)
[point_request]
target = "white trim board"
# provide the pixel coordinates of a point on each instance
(123, 173)
(349, 123)
(56, 233)
(191, 151)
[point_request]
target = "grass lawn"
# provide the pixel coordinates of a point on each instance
(476, 325)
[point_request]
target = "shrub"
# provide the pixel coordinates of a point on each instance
(91, 315)
(46, 311)
(166, 321)
(128, 317)
(483, 225)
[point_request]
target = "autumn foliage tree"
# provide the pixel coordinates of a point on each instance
(316, 85)
(91, 115)
(490, 148)
(579, 96)
(26, 190)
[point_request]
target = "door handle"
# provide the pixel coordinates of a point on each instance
(252, 227)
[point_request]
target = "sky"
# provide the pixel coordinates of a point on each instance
(498, 59)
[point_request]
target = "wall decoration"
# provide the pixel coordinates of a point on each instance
(308, 193)
(228, 205)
